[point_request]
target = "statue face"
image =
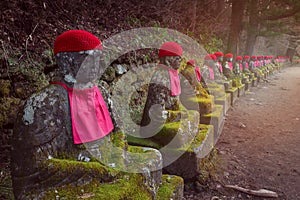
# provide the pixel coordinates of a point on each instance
(89, 69)
(173, 61)
(79, 67)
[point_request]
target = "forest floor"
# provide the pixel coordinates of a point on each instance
(260, 143)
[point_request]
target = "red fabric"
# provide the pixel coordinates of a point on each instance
(220, 66)
(170, 49)
(210, 57)
(229, 55)
(213, 57)
(246, 57)
(191, 62)
(241, 67)
(230, 65)
(89, 114)
(174, 79)
(247, 65)
(253, 57)
(219, 54)
(198, 73)
(239, 58)
(175, 82)
(76, 40)
(211, 73)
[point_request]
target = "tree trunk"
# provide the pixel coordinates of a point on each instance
(194, 16)
(293, 45)
(236, 26)
(253, 27)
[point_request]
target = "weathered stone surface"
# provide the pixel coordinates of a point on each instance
(216, 119)
(44, 156)
(254, 82)
(120, 69)
(171, 188)
(241, 90)
(109, 74)
(188, 164)
(234, 94)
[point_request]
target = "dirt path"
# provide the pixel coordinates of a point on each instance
(260, 143)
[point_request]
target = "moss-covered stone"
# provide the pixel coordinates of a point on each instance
(5, 88)
(126, 187)
(241, 90)
(206, 105)
(217, 90)
(8, 109)
(171, 188)
(142, 142)
(216, 119)
(234, 94)
(208, 167)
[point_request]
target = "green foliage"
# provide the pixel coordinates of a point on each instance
(211, 42)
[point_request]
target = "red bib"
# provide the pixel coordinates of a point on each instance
(198, 73)
(89, 114)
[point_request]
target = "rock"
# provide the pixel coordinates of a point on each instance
(109, 74)
(120, 70)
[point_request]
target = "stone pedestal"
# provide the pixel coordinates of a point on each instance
(241, 90)
(171, 188)
(216, 119)
(234, 94)
(188, 164)
(254, 82)
(248, 85)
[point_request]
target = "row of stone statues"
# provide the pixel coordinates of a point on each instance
(74, 119)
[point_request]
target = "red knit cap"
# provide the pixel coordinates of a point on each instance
(191, 62)
(170, 49)
(253, 57)
(229, 55)
(238, 58)
(76, 40)
(246, 57)
(210, 57)
(219, 54)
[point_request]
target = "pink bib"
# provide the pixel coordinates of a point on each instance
(241, 67)
(220, 67)
(175, 82)
(198, 73)
(89, 114)
(230, 65)
(211, 73)
(247, 65)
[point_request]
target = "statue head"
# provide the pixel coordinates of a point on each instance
(219, 56)
(253, 58)
(229, 57)
(170, 54)
(210, 60)
(238, 59)
(191, 63)
(78, 54)
(246, 58)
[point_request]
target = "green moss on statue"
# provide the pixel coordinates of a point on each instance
(127, 187)
(169, 185)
